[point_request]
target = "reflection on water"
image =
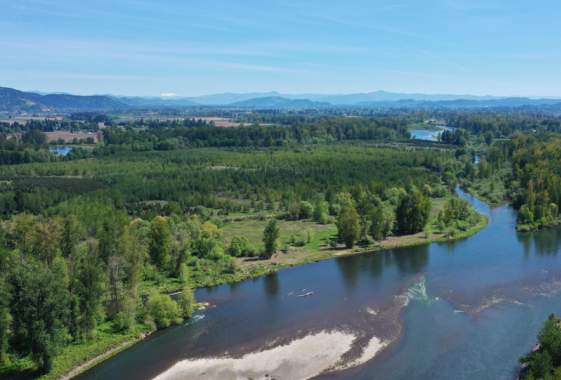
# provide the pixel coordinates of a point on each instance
(370, 265)
(462, 310)
(271, 284)
(408, 261)
(413, 260)
(546, 242)
(350, 270)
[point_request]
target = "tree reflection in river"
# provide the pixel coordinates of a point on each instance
(369, 263)
(546, 242)
(408, 261)
(271, 284)
(234, 286)
(350, 269)
(412, 260)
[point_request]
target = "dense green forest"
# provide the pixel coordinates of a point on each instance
(525, 171)
(536, 161)
(502, 123)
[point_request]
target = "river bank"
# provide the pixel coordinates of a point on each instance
(315, 244)
(79, 357)
(521, 227)
(104, 356)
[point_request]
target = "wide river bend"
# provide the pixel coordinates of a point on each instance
(460, 310)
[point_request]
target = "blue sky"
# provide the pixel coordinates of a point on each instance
(192, 47)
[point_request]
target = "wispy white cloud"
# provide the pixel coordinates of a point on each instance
(55, 53)
(234, 55)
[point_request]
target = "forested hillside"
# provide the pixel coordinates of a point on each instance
(14, 101)
(537, 171)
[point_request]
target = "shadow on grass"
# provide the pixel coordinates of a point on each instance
(20, 374)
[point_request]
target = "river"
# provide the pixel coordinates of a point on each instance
(460, 310)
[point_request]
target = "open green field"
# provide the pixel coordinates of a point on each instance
(307, 241)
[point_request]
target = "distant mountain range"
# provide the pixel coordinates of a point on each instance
(19, 101)
(358, 98)
(279, 102)
(15, 101)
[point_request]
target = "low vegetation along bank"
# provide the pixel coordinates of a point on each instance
(544, 361)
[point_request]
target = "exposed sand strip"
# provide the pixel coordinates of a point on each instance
(300, 359)
(374, 346)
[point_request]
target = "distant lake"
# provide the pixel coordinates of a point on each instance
(60, 150)
(429, 134)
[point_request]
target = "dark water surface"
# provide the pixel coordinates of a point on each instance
(460, 310)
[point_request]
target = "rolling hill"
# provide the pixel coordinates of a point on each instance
(12, 100)
(278, 102)
(15, 101)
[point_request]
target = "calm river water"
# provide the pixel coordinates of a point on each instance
(460, 310)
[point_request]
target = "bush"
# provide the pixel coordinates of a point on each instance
(163, 311)
(124, 319)
(240, 246)
(321, 212)
(306, 210)
(297, 241)
(209, 248)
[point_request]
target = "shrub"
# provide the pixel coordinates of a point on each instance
(240, 246)
(306, 210)
(163, 310)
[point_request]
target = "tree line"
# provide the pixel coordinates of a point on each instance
(536, 162)
(63, 275)
(162, 136)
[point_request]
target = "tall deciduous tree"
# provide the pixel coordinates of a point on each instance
(87, 287)
(321, 211)
(348, 224)
(270, 238)
(413, 212)
(160, 242)
(5, 318)
(380, 223)
(71, 233)
(39, 305)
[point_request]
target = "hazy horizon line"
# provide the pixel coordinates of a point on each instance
(176, 95)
